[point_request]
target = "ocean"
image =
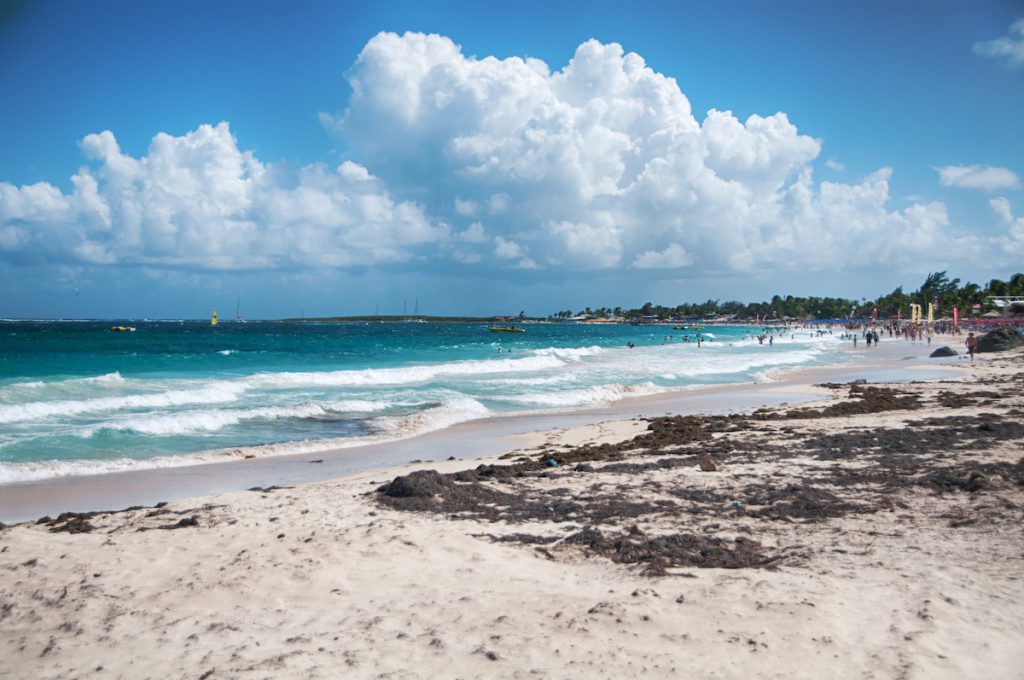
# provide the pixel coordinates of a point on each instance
(79, 398)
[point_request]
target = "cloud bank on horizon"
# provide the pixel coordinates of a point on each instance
(498, 163)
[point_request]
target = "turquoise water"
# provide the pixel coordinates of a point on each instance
(79, 398)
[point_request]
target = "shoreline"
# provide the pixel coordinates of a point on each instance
(893, 361)
(873, 532)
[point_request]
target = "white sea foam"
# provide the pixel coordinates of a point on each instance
(457, 409)
(207, 420)
(404, 375)
(215, 393)
(590, 396)
(570, 353)
(185, 422)
(48, 469)
(388, 428)
(538, 381)
(105, 379)
(30, 385)
(356, 406)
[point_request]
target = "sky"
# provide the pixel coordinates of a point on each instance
(164, 159)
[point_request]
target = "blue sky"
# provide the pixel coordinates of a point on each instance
(162, 159)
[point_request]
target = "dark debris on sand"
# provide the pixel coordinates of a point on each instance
(70, 522)
(863, 399)
(80, 522)
(637, 480)
(430, 491)
(657, 553)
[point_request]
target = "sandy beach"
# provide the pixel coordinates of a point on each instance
(841, 530)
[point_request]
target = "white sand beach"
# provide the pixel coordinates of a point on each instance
(878, 540)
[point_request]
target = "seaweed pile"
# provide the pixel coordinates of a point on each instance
(644, 502)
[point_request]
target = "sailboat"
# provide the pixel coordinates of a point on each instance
(213, 321)
(238, 316)
(415, 314)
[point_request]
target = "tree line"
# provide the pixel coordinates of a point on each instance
(944, 293)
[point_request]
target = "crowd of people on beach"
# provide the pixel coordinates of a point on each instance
(870, 331)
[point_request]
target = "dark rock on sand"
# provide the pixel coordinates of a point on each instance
(1000, 339)
(944, 351)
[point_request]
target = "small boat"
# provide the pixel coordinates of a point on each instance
(123, 329)
(506, 329)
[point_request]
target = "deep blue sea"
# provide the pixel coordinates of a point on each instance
(79, 398)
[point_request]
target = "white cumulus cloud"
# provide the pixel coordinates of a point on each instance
(474, 233)
(672, 257)
(465, 207)
(602, 164)
(594, 165)
(984, 177)
(1013, 241)
(1009, 47)
(198, 201)
(506, 250)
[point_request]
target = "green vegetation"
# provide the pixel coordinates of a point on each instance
(970, 298)
(937, 288)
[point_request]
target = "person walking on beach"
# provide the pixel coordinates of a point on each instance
(972, 344)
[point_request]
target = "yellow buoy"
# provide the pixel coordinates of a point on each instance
(213, 321)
